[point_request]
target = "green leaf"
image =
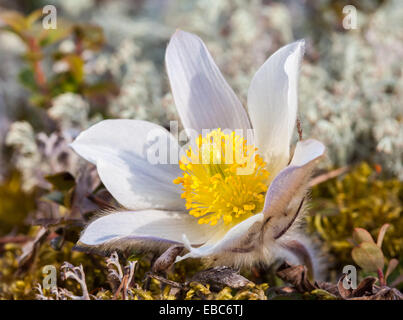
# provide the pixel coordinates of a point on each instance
(27, 78)
(76, 65)
(323, 294)
(15, 20)
(361, 235)
(39, 100)
(33, 17)
(368, 256)
(62, 181)
(51, 36)
(90, 36)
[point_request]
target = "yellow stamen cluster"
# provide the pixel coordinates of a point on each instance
(223, 179)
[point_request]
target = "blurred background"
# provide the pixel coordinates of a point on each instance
(105, 59)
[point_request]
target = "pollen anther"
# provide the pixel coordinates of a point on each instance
(224, 179)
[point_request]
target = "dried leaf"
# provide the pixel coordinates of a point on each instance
(167, 259)
(300, 251)
(329, 287)
(81, 203)
(365, 287)
(385, 293)
(29, 251)
(297, 276)
(343, 292)
(220, 277)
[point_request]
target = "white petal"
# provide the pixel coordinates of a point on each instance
(272, 103)
(306, 151)
(202, 96)
(284, 197)
(231, 240)
(143, 228)
(120, 149)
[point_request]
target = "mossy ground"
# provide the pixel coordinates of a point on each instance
(360, 198)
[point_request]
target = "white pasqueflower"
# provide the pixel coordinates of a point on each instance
(210, 209)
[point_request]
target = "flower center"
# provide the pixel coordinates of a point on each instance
(223, 179)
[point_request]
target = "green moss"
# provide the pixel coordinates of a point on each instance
(23, 286)
(359, 199)
(15, 205)
(20, 285)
